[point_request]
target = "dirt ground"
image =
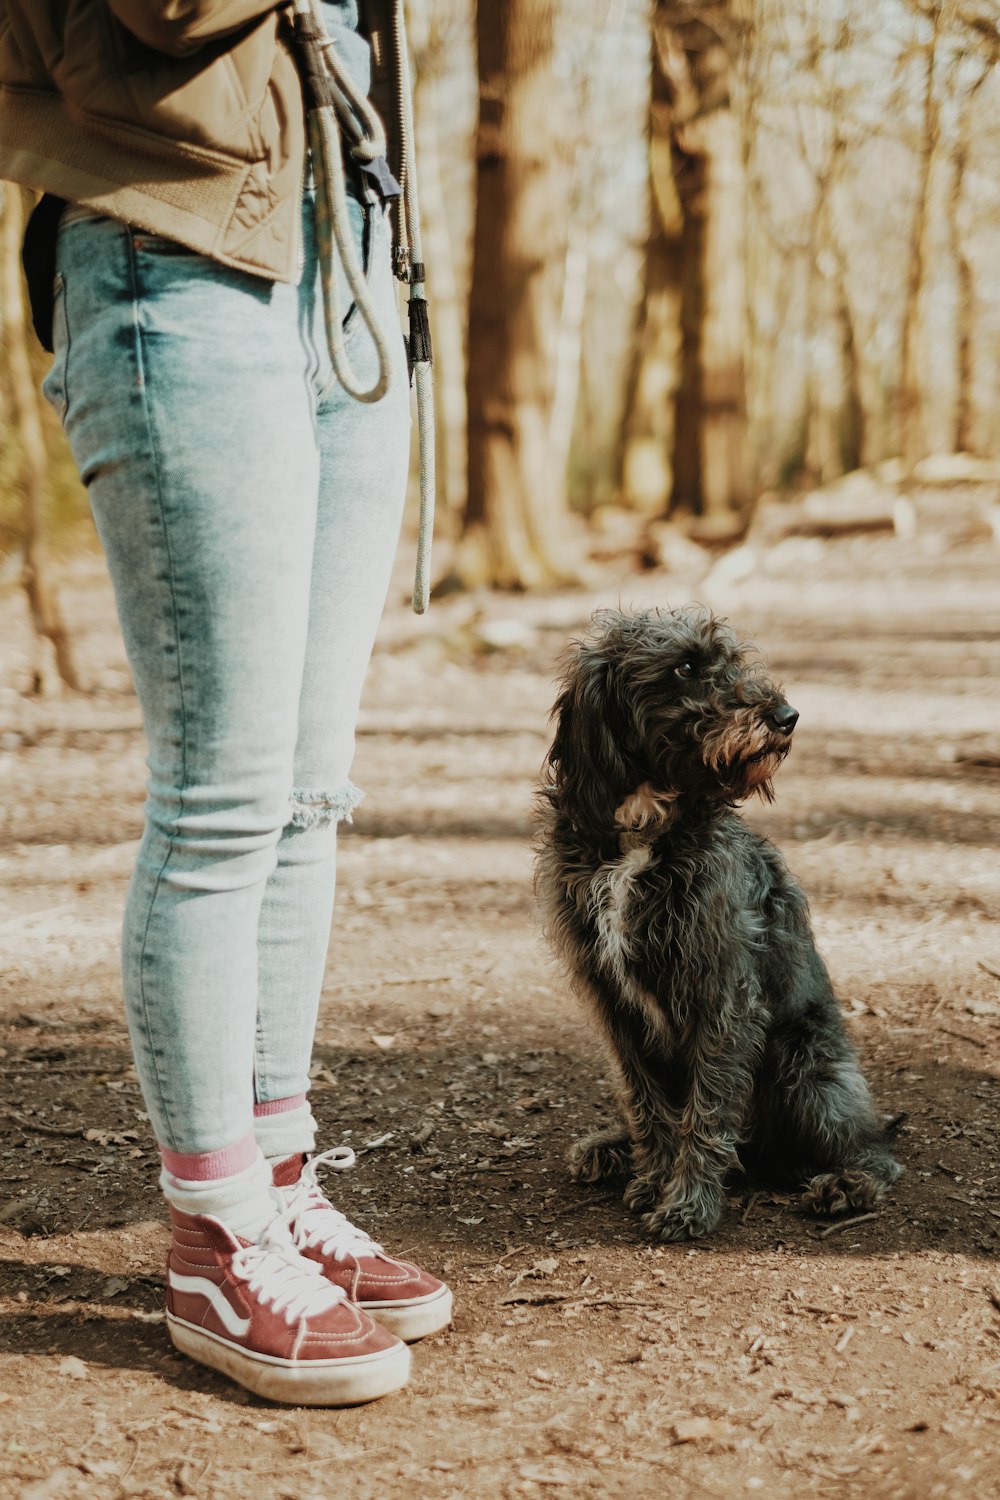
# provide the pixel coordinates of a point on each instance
(782, 1357)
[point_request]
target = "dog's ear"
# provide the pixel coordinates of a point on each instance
(587, 759)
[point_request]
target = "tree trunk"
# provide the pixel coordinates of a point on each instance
(447, 313)
(909, 416)
(855, 438)
(822, 462)
(965, 312)
(25, 400)
(709, 476)
(684, 438)
(569, 355)
(511, 535)
(645, 465)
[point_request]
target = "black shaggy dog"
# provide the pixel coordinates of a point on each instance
(688, 934)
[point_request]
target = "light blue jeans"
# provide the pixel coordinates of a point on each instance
(249, 510)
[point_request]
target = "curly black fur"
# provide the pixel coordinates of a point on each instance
(688, 934)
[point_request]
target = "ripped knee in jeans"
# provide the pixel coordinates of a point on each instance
(318, 809)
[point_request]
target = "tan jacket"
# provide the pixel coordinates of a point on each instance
(183, 117)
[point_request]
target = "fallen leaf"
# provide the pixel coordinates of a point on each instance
(111, 1137)
(73, 1367)
(546, 1474)
(383, 1041)
(693, 1430)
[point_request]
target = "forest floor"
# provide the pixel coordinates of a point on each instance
(782, 1356)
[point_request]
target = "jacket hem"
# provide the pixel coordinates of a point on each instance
(181, 192)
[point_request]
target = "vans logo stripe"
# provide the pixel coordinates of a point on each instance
(200, 1286)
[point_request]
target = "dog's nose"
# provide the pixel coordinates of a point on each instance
(784, 717)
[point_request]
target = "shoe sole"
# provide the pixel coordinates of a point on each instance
(413, 1319)
(350, 1381)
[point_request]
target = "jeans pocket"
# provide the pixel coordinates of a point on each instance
(54, 386)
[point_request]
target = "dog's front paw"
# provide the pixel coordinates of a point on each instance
(837, 1192)
(602, 1156)
(681, 1218)
(642, 1193)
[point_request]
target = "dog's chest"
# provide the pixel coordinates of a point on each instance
(613, 898)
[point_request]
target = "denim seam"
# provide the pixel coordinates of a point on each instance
(171, 1142)
(260, 1080)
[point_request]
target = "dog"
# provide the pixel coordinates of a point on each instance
(685, 931)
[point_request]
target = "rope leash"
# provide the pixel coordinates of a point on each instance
(336, 113)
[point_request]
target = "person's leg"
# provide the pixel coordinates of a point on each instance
(362, 484)
(186, 395)
(363, 468)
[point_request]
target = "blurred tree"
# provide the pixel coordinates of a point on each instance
(25, 403)
(433, 30)
(692, 332)
(933, 17)
(511, 535)
(965, 311)
(646, 463)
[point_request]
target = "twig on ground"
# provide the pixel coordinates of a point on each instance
(567, 1299)
(973, 1041)
(748, 1205)
(988, 969)
(509, 1254)
(846, 1224)
(39, 1129)
(132, 1461)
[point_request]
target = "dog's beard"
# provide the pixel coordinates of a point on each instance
(759, 772)
(745, 754)
(751, 775)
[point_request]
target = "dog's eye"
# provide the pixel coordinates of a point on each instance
(684, 670)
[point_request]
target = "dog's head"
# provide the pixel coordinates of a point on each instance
(664, 708)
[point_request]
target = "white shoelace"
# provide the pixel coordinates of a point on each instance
(312, 1218)
(282, 1278)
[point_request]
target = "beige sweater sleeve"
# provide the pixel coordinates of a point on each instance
(182, 26)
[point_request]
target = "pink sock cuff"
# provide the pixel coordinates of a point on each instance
(278, 1106)
(203, 1166)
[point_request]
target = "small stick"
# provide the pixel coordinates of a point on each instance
(40, 1129)
(973, 1041)
(748, 1205)
(132, 1461)
(515, 1251)
(845, 1339)
(994, 973)
(846, 1224)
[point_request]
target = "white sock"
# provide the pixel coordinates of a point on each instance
(289, 1133)
(246, 1202)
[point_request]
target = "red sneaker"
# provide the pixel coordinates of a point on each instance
(269, 1319)
(399, 1295)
